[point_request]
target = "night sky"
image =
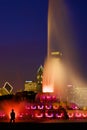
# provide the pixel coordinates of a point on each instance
(23, 38)
(78, 15)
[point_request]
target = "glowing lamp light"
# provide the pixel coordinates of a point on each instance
(48, 89)
(48, 106)
(78, 114)
(84, 115)
(71, 115)
(59, 115)
(49, 115)
(40, 115)
(2, 115)
(33, 107)
(40, 107)
(76, 107)
(53, 97)
(48, 97)
(55, 107)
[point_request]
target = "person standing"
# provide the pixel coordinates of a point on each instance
(12, 116)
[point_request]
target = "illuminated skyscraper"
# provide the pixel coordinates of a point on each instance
(30, 86)
(39, 79)
(6, 89)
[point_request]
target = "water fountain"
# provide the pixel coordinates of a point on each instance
(58, 74)
(55, 77)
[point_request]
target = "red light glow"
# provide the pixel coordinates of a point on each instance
(9, 105)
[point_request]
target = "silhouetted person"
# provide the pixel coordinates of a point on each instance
(62, 109)
(65, 113)
(12, 116)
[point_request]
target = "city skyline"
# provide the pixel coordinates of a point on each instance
(23, 38)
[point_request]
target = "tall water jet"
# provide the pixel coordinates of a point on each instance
(61, 36)
(60, 33)
(54, 75)
(58, 73)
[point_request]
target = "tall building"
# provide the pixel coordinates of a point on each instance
(6, 89)
(39, 78)
(30, 86)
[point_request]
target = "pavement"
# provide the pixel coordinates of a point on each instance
(45, 124)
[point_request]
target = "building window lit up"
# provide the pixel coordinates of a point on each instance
(30, 86)
(39, 79)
